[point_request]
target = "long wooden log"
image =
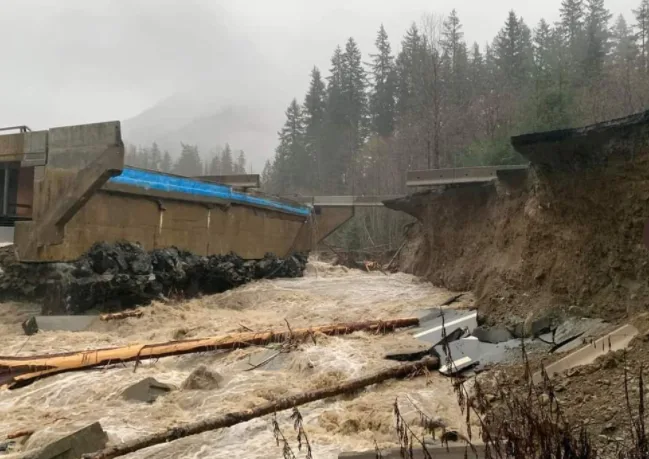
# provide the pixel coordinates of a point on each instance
(121, 315)
(19, 371)
(238, 417)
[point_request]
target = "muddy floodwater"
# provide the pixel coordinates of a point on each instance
(326, 294)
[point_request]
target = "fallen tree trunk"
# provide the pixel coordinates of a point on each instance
(121, 315)
(19, 371)
(230, 419)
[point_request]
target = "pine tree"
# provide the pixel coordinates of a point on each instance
(227, 163)
(461, 75)
(408, 68)
(315, 104)
(130, 158)
(476, 69)
(215, 165)
(452, 37)
(550, 98)
(155, 157)
(240, 167)
(267, 178)
(314, 112)
(642, 25)
(623, 41)
(189, 164)
(335, 104)
(512, 50)
(597, 37)
(543, 52)
(144, 158)
(290, 150)
(624, 58)
(354, 95)
(354, 83)
(382, 102)
(333, 163)
(572, 21)
(166, 164)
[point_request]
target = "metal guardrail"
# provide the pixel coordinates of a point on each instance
(480, 174)
(342, 201)
(21, 129)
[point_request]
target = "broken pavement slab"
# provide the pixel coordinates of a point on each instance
(432, 326)
(86, 440)
(614, 341)
(578, 329)
(147, 390)
(58, 323)
(493, 335)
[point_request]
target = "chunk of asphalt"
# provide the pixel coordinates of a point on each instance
(537, 328)
(432, 331)
(493, 335)
(87, 440)
(565, 343)
(147, 390)
(7, 446)
(418, 355)
(412, 356)
(458, 366)
(58, 323)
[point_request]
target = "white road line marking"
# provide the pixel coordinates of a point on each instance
(453, 322)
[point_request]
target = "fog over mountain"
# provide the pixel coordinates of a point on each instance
(204, 72)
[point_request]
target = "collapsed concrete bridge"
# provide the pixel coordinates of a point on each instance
(66, 188)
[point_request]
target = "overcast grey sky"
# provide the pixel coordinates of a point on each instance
(79, 61)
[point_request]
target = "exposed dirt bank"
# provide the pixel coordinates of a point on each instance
(567, 236)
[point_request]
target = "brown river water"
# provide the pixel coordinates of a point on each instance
(326, 294)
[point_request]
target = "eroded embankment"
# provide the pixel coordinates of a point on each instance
(565, 236)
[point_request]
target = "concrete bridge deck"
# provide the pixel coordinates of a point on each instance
(481, 174)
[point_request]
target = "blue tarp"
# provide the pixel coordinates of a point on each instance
(150, 180)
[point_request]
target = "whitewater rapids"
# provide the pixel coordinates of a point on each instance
(325, 294)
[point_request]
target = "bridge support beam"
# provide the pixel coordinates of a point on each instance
(325, 220)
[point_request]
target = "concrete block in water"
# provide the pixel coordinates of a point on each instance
(436, 451)
(58, 323)
(147, 390)
(87, 440)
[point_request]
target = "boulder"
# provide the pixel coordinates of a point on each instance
(202, 379)
(147, 390)
(58, 323)
(87, 440)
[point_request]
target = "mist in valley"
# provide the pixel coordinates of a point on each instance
(204, 73)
